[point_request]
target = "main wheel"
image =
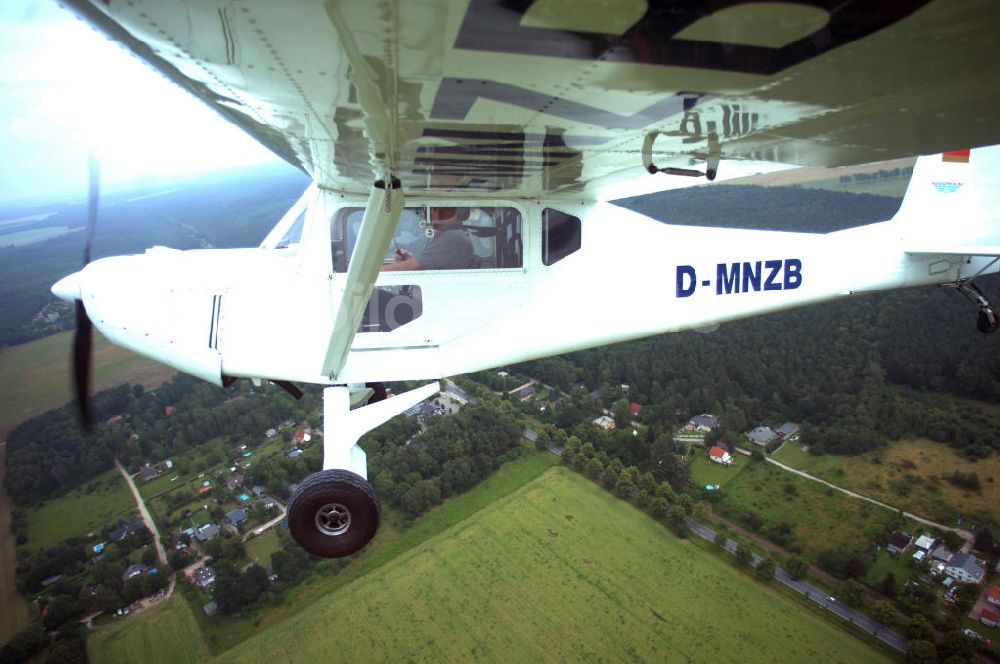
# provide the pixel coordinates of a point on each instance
(987, 321)
(333, 513)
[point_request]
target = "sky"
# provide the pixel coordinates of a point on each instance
(65, 89)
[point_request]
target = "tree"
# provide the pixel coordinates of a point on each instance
(953, 540)
(595, 467)
(921, 651)
(720, 538)
(659, 507)
(854, 593)
(954, 644)
(743, 555)
(884, 612)
(543, 440)
(765, 569)
(889, 586)
(920, 629)
(702, 510)
(797, 566)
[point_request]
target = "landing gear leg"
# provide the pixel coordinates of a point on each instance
(987, 320)
(336, 512)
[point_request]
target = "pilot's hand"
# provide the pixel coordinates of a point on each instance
(403, 254)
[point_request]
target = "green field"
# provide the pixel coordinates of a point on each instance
(98, 502)
(705, 472)
(36, 375)
(259, 549)
(166, 634)
(557, 571)
(821, 518)
(910, 475)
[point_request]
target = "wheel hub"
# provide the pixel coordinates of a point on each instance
(333, 519)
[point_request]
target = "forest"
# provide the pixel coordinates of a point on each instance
(228, 210)
(48, 455)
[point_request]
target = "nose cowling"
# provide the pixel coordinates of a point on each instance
(68, 288)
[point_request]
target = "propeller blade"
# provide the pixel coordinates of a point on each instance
(82, 356)
(83, 340)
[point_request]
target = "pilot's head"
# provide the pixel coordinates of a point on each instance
(446, 218)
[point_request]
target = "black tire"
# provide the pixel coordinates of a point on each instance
(987, 321)
(333, 513)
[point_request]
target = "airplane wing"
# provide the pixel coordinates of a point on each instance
(518, 98)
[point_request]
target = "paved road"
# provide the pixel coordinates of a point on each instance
(965, 534)
(456, 392)
(260, 530)
(146, 516)
(815, 594)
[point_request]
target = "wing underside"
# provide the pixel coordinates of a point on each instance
(556, 97)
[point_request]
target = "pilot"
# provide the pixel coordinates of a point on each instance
(449, 249)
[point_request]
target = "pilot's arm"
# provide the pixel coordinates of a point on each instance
(405, 260)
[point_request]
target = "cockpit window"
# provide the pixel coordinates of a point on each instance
(560, 235)
(439, 238)
(294, 233)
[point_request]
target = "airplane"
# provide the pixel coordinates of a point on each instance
(501, 130)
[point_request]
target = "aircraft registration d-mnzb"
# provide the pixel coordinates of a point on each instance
(462, 153)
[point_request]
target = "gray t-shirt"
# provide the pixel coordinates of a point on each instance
(448, 250)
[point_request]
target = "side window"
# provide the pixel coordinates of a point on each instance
(440, 238)
(560, 235)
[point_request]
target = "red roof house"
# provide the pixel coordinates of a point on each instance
(989, 617)
(634, 408)
(720, 455)
(993, 595)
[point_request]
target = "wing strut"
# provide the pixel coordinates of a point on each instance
(385, 203)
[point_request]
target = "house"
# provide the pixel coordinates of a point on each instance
(762, 436)
(720, 455)
(925, 542)
(205, 489)
(989, 617)
(294, 454)
(942, 553)
(236, 516)
(207, 532)
(704, 422)
(148, 473)
(993, 595)
(211, 609)
(595, 395)
(526, 392)
(258, 490)
(301, 436)
(898, 541)
(125, 529)
(48, 581)
(204, 576)
(787, 430)
(112, 421)
(133, 571)
(270, 433)
(272, 576)
(966, 568)
(635, 409)
(604, 422)
(168, 410)
(234, 481)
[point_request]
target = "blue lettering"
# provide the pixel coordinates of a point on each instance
(727, 280)
(775, 269)
(793, 273)
(685, 273)
(751, 276)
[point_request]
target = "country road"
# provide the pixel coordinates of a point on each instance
(965, 534)
(146, 516)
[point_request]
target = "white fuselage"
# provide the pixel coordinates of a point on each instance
(268, 312)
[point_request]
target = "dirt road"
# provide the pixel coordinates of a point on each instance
(966, 535)
(146, 516)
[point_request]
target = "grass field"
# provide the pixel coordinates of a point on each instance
(821, 518)
(36, 375)
(167, 634)
(259, 549)
(558, 571)
(79, 512)
(910, 475)
(705, 472)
